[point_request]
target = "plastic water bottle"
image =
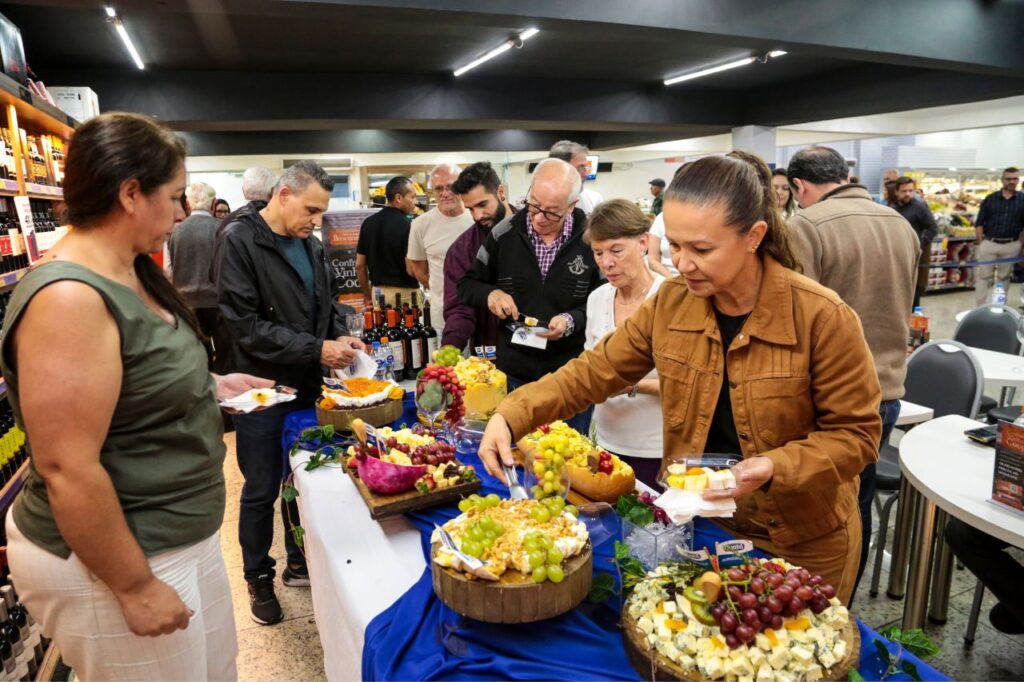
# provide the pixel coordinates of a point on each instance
(388, 356)
(999, 294)
(379, 353)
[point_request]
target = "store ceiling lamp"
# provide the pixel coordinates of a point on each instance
(723, 67)
(504, 47)
(115, 21)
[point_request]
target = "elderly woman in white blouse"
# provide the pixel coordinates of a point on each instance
(629, 424)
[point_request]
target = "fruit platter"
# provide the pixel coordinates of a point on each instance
(402, 470)
(453, 387)
(592, 472)
(761, 620)
(537, 560)
(372, 401)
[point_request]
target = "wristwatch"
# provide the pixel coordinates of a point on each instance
(632, 391)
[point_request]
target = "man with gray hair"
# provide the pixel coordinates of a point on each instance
(575, 154)
(190, 250)
(432, 233)
(535, 264)
(258, 183)
(275, 297)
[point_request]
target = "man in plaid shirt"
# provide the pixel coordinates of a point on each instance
(535, 264)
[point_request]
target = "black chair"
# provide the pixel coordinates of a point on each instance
(992, 327)
(946, 377)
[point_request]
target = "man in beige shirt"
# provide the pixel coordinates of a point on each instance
(867, 253)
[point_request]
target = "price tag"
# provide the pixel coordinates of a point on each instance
(371, 435)
(734, 547)
(699, 556)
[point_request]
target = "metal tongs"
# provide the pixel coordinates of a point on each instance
(516, 490)
(476, 566)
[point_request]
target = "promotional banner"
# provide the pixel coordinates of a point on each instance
(341, 236)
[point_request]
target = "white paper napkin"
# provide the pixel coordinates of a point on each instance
(682, 505)
(363, 367)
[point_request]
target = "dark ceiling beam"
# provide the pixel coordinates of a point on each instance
(959, 35)
(195, 100)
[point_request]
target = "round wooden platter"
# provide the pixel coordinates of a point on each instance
(651, 665)
(381, 414)
(514, 598)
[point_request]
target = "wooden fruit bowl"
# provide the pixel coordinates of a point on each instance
(514, 598)
(651, 665)
(382, 414)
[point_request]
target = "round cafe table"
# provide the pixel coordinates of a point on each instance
(946, 474)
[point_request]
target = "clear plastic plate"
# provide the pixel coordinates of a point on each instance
(711, 460)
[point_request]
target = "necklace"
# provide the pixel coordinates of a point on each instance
(636, 300)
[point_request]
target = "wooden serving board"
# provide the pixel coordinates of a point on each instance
(384, 506)
(515, 598)
(651, 665)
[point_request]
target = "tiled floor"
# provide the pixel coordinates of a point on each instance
(994, 656)
(291, 650)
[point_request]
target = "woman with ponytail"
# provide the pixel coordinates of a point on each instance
(113, 541)
(753, 360)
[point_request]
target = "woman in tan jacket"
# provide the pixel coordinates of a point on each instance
(795, 394)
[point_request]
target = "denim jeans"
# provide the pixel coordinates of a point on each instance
(262, 463)
(580, 422)
(890, 412)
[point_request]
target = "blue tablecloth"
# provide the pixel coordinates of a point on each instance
(419, 638)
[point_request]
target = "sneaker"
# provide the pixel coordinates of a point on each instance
(1004, 620)
(263, 604)
(295, 576)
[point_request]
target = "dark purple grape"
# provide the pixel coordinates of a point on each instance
(737, 575)
(827, 591)
(818, 604)
(732, 641)
(735, 592)
(764, 614)
(729, 622)
(804, 592)
(749, 616)
(784, 593)
(774, 604)
(793, 582)
(774, 580)
(815, 580)
(747, 600)
(757, 586)
(776, 623)
(745, 633)
(717, 610)
(796, 605)
(805, 575)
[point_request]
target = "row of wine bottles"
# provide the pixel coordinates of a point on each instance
(13, 452)
(411, 338)
(22, 644)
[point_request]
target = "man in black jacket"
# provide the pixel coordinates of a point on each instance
(275, 297)
(535, 264)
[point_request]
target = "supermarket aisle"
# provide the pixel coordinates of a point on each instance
(289, 650)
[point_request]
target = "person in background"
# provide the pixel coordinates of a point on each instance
(114, 538)
(275, 297)
(575, 154)
(841, 233)
(221, 209)
(484, 197)
(753, 359)
(536, 264)
(920, 217)
(657, 187)
(659, 255)
(432, 233)
(1000, 228)
(190, 249)
(986, 557)
(257, 185)
(783, 193)
(384, 243)
(887, 195)
(628, 424)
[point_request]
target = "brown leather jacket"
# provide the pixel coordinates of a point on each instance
(805, 392)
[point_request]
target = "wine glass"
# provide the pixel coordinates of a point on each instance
(432, 400)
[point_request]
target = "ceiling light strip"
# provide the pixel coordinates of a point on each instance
(128, 45)
(504, 47)
(718, 69)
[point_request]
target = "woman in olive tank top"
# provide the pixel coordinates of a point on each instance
(113, 541)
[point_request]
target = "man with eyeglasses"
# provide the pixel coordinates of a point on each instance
(575, 154)
(535, 264)
(432, 233)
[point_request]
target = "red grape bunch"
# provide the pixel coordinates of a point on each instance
(449, 384)
(758, 595)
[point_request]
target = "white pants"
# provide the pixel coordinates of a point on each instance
(83, 617)
(985, 274)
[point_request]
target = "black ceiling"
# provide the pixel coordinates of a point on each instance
(242, 72)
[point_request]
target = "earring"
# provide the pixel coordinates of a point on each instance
(754, 250)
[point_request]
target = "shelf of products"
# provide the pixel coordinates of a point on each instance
(51, 660)
(11, 488)
(946, 251)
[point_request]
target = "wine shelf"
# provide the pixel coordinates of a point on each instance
(9, 279)
(49, 665)
(11, 488)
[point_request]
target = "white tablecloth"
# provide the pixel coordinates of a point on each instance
(358, 567)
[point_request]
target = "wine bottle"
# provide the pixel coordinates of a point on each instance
(19, 620)
(429, 333)
(10, 664)
(395, 336)
(415, 346)
(367, 335)
(35, 631)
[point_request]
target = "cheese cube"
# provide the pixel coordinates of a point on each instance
(813, 673)
(782, 635)
(669, 607)
(779, 657)
(659, 619)
(801, 655)
(839, 649)
(652, 638)
(691, 644)
(721, 480)
(762, 642)
(746, 678)
(800, 636)
(667, 649)
(664, 632)
(756, 656)
(646, 625)
(686, 662)
(695, 482)
(784, 676)
(826, 658)
(713, 668)
(834, 601)
(765, 673)
(741, 665)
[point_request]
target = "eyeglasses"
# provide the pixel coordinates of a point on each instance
(441, 189)
(534, 209)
